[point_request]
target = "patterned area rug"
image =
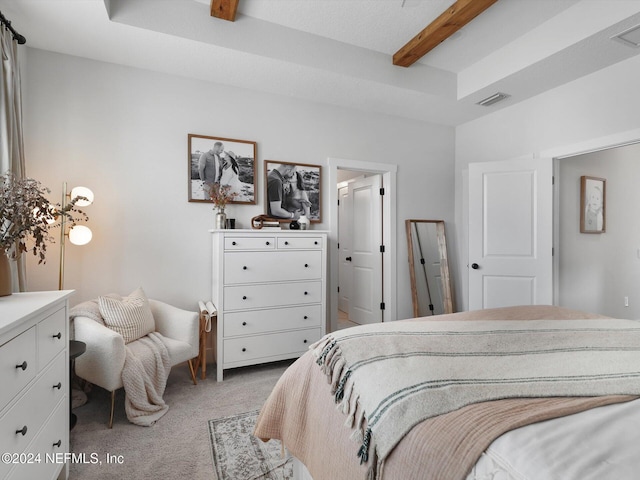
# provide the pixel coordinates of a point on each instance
(238, 455)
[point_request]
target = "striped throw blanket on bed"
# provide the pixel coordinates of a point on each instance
(389, 377)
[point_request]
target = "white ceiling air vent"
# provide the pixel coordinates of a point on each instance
(630, 37)
(495, 98)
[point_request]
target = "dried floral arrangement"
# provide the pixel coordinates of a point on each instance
(220, 195)
(26, 214)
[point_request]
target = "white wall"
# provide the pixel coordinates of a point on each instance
(591, 112)
(123, 133)
(598, 270)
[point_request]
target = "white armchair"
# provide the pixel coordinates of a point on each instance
(103, 361)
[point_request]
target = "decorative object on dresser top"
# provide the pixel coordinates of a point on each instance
(34, 400)
(220, 195)
(222, 161)
(133, 342)
(550, 364)
(264, 222)
(269, 289)
(27, 215)
(304, 222)
(238, 454)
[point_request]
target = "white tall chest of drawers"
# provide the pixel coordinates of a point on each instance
(269, 288)
(34, 374)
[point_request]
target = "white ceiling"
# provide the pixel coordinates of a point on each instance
(340, 51)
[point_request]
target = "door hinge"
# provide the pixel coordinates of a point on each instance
(553, 180)
(381, 248)
(338, 289)
(382, 191)
(338, 202)
(338, 245)
(553, 251)
(381, 305)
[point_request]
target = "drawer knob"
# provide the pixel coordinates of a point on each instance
(244, 324)
(267, 243)
(58, 443)
(315, 243)
(233, 243)
(306, 265)
(305, 317)
(58, 386)
(244, 268)
(244, 297)
(286, 243)
(58, 336)
(244, 349)
(23, 431)
(23, 365)
(305, 341)
(306, 293)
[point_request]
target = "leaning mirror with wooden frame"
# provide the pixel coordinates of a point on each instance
(429, 268)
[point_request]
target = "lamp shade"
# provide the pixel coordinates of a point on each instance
(82, 192)
(49, 217)
(80, 235)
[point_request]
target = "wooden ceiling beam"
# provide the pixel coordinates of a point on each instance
(449, 22)
(224, 9)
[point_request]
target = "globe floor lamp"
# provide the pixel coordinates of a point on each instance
(78, 234)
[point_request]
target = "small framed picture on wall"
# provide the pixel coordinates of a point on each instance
(293, 189)
(224, 161)
(592, 204)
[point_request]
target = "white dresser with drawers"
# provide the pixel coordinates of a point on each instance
(269, 288)
(34, 374)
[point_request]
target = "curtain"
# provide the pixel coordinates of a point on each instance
(11, 144)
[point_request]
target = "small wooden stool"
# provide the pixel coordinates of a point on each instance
(207, 315)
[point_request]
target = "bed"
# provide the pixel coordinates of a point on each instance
(591, 433)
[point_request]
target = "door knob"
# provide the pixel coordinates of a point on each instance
(475, 266)
(348, 259)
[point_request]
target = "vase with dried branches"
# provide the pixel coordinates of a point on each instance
(220, 195)
(26, 220)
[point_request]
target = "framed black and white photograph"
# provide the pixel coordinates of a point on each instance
(293, 190)
(224, 161)
(592, 204)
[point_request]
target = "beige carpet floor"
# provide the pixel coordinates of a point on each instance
(177, 446)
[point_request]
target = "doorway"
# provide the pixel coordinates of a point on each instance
(387, 175)
(597, 271)
(360, 252)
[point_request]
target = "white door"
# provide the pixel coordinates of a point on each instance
(365, 214)
(344, 250)
(510, 233)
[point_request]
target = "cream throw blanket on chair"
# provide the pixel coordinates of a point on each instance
(145, 372)
(146, 369)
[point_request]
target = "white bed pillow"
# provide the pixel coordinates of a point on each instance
(130, 316)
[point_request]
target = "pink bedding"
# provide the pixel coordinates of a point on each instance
(301, 413)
